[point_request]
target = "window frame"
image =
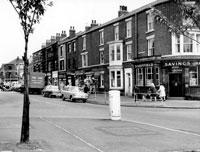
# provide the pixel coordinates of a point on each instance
(128, 28)
(139, 77)
(150, 45)
(114, 80)
(101, 37)
(84, 59)
(150, 21)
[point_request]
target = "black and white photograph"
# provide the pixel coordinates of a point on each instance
(100, 76)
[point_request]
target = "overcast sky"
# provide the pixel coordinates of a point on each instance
(63, 14)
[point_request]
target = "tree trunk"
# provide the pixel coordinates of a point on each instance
(25, 116)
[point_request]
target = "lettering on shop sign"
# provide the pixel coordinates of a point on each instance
(182, 63)
(144, 65)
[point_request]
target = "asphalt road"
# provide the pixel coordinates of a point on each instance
(63, 126)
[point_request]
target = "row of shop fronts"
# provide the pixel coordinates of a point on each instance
(179, 75)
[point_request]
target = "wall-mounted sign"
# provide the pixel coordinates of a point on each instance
(144, 65)
(181, 63)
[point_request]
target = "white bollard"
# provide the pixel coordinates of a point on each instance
(114, 104)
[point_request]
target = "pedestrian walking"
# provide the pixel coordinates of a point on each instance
(161, 92)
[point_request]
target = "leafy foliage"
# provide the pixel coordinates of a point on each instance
(188, 14)
(29, 12)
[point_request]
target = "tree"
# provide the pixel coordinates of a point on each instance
(187, 17)
(29, 12)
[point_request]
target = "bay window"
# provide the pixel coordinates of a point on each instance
(139, 76)
(186, 44)
(148, 76)
(115, 54)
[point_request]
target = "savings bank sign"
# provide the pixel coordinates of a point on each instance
(181, 63)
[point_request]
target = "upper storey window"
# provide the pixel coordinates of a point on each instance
(84, 42)
(150, 22)
(128, 28)
(116, 31)
(186, 44)
(101, 34)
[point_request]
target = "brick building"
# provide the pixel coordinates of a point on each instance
(132, 50)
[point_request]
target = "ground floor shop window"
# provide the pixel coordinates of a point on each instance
(157, 76)
(116, 79)
(193, 74)
(102, 80)
(139, 76)
(148, 76)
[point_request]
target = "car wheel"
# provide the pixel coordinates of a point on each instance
(63, 97)
(71, 99)
(84, 101)
(50, 95)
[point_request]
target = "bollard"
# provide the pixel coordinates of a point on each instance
(114, 104)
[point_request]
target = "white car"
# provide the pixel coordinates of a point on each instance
(74, 93)
(51, 91)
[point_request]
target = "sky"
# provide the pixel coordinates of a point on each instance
(59, 17)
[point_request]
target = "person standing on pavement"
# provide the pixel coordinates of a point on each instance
(161, 92)
(153, 92)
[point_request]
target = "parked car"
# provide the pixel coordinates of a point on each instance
(51, 91)
(74, 93)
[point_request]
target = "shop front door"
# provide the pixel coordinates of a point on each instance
(175, 85)
(128, 82)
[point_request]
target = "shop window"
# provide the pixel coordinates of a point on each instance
(116, 79)
(148, 76)
(157, 76)
(193, 75)
(101, 80)
(139, 77)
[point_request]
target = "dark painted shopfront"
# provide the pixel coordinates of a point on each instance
(182, 77)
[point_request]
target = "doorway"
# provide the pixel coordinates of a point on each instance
(128, 82)
(175, 85)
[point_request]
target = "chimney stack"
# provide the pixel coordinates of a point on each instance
(122, 10)
(57, 36)
(94, 23)
(53, 39)
(43, 45)
(48, 42)
(63, 34)
(72, 32)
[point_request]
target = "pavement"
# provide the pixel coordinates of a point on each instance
(178, 103)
